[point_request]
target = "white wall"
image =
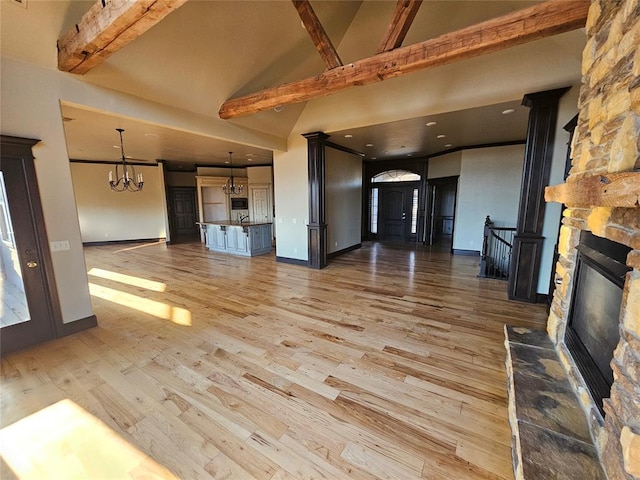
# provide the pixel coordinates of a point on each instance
(111, 216)
(567, 109)
(489, 184)
(343, 199)
(447, 165)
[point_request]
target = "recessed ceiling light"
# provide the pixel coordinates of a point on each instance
(449, 145)
(249, 155)
(409, 154)
(226, 161)
(374, 158)
(348, 136)
(369, 145)
(152, 135)
(441, 136)
(508, 111)
(116, 146)
(278, 108)
(431, 124)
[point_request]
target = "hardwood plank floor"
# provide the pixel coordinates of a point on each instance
(389, 363)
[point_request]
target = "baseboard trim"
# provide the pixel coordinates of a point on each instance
(77, 326)
(115, 242)
(292, 261)
(344, 250)
(469, 253)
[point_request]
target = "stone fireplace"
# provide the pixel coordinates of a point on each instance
(602, 196)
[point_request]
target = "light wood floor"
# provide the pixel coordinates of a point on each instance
(387, 364)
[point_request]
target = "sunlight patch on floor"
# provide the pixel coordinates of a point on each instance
(65, 441)
(128, 279)
(177, 315)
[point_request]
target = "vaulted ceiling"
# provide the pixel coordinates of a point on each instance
(207, 52)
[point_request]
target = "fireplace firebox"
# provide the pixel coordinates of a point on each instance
(593, 328)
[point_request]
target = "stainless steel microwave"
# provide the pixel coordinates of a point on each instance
(239, 203)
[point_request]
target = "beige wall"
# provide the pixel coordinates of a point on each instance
(181, 179)
(111, 216)
(259, 175)
(447, 165)
(489, 185)
(291, 193)
(343, 199)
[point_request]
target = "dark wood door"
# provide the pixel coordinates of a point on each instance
(28, 316)
(393, 214)
(442, 194)
(183, 212)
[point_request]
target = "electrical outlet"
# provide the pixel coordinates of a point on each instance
(60, 246)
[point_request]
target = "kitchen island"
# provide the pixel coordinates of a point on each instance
(247, 238)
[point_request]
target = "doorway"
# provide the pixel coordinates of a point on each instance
(29, 303)
(184, 215)
(441, 194)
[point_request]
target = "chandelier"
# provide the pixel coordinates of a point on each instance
(230, 188)
(126, 178)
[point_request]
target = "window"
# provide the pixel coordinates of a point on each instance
(6, 230)
(374, 210)
(395, 176)
(414, 212)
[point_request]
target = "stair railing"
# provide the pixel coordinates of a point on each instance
(496, 251)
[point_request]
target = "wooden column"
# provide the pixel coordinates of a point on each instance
(527, 244)
(317, 228)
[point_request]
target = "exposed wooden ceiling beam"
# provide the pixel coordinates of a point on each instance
(317, 33)
(108, 26)
(542, 20)
(401, 21)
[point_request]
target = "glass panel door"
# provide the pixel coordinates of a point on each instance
(13, 301)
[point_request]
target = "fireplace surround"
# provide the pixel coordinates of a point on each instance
(602, 196)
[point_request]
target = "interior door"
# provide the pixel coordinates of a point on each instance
(183, 212)
(27, 314)
(393, 214)
(260, 204)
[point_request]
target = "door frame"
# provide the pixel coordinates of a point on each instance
(431, 189)
(16, 149)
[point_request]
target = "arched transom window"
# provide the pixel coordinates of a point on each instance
(395, 176)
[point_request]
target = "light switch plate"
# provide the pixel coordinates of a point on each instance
(60, 246)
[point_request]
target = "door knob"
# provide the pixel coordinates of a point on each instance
(32, 264)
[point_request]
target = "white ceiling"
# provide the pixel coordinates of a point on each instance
(209, 51)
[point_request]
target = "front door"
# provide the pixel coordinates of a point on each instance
(393, 215)
(183, 213)
(25, 307)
